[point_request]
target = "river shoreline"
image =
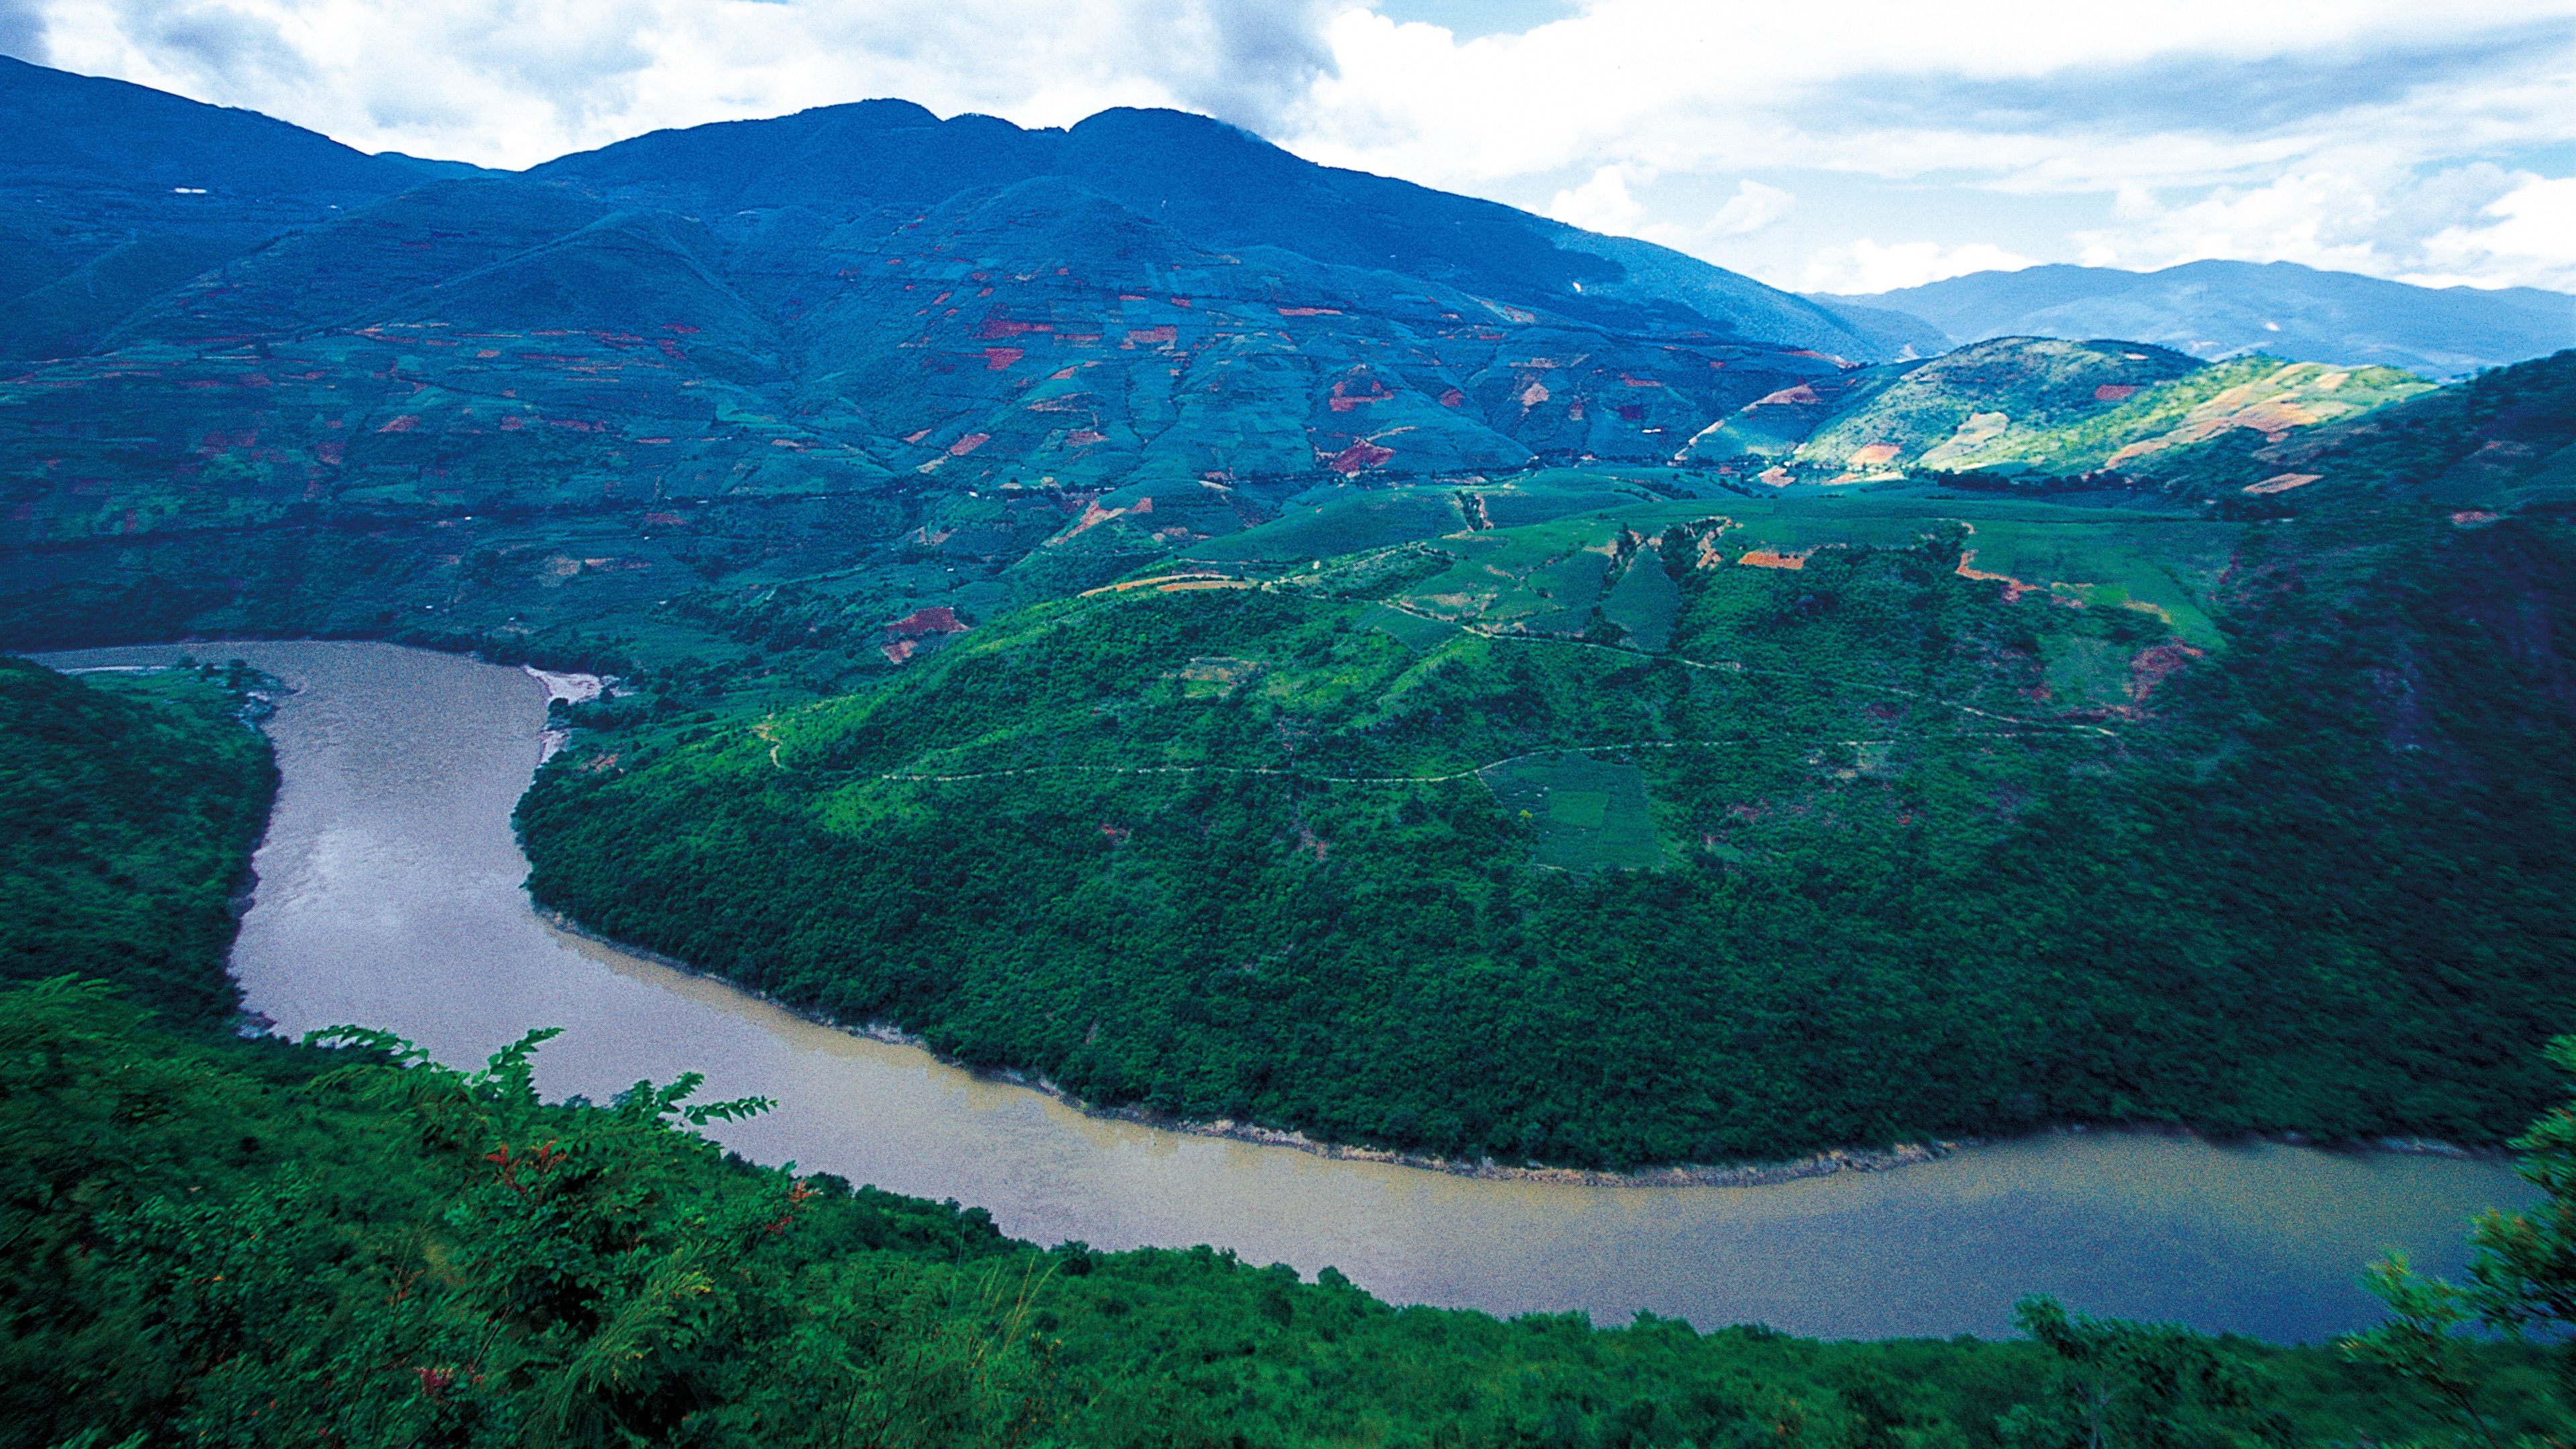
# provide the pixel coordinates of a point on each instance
(1824, 1163)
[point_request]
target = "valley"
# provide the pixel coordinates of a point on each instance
(1116, 686)
(1247, 640)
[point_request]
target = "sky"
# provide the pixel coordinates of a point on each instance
(1852, 148)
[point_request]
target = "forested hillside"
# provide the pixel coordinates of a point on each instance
(128, 809)
(1644, 834)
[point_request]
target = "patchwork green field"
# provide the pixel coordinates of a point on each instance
(1586, 813)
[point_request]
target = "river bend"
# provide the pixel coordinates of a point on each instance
(390, 895)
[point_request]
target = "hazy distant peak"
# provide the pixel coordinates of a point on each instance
(2217, 308)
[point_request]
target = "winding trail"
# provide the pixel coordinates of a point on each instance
(1476, 772)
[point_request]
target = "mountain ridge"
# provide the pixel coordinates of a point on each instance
(2215, 308)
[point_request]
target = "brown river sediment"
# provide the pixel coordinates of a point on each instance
(389, 894)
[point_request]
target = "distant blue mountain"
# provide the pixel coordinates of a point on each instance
(2218, 309)
(1221, 188)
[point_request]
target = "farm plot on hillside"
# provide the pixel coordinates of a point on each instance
(1645, 601)
(1413, 631)
(1328, 523)
(1590, 814)
(2162, 563)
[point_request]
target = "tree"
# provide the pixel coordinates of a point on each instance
(2522, 1277)
(2130, 1386)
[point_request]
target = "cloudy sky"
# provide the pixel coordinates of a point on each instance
(1855, 147)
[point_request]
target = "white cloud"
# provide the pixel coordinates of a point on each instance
(1601, 204)
(1886, 86)
(514, 82)
(2317, 220)
(2532, 242)
(1866, 266)
(2476, 224)
(1753, 207)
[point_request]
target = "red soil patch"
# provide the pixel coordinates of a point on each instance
(1343, 400)
(1452, 398)
(999, 324)
(938, 619)
(1799, 394)
(403, 424)
(1310, 311)
(998, 358)
(1093, 515)
(1085, 437)
(2112, 392)
(2013, 587)
(2283, 482)
(1359, 457)
(968, 444)
(1875, 453)
(1151, 335)
(1763, 558)
(2151, 666)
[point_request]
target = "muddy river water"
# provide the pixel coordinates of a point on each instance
(390, 895)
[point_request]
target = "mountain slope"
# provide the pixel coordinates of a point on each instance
(2215, 309)
(1218, 186)
(924, 349)
(94, 131)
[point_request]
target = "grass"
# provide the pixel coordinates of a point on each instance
(1589, 814)
(1645, 601)
(1413, 631)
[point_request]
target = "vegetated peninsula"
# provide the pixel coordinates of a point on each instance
(214, 1239)
(1655, 833)
(1256, 641)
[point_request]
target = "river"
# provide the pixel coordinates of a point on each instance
(390, 895)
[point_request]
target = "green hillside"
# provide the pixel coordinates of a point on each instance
(2020, 406)
(1418, 849)
(128, 809)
